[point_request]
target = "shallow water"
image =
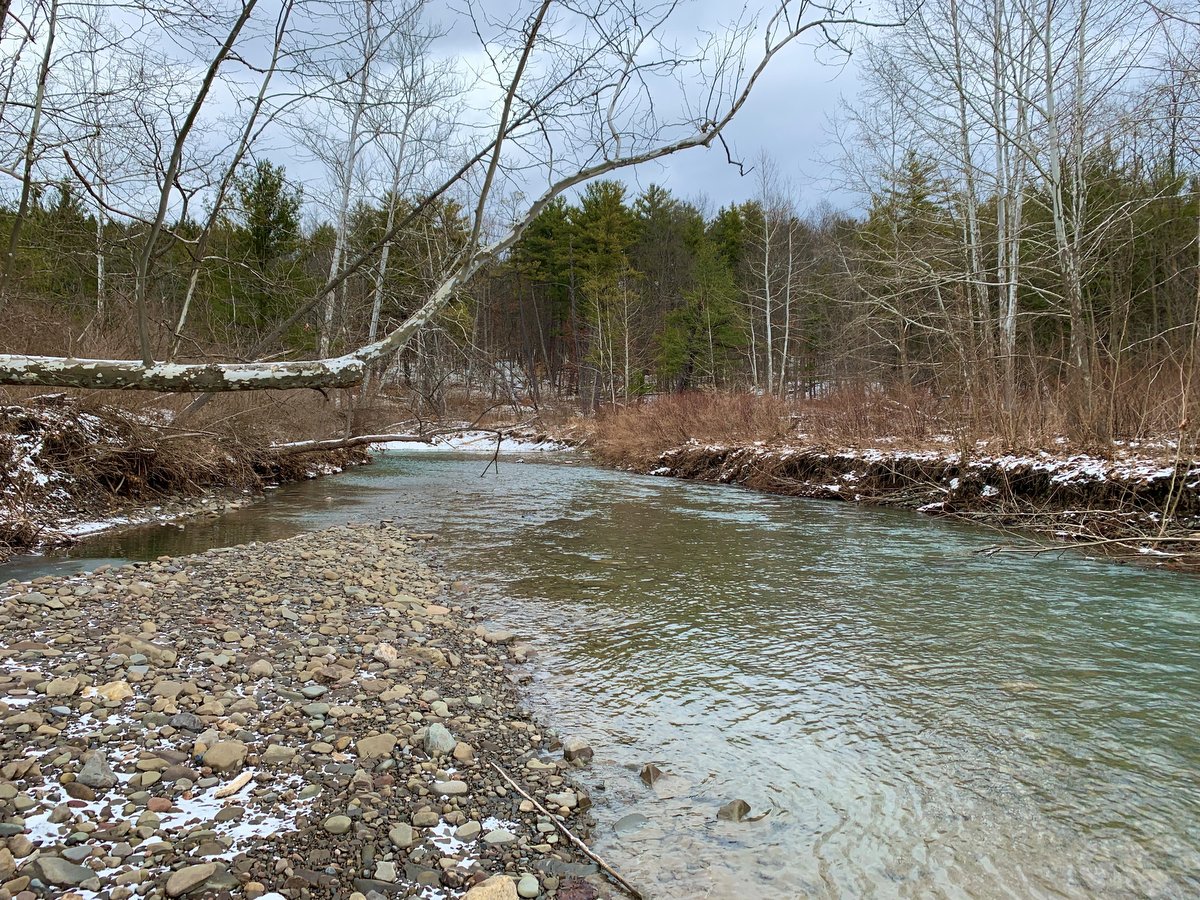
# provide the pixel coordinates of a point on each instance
(915, 720)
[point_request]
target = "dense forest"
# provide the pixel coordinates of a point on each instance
(1026, 249)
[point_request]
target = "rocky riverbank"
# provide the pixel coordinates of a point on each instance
(320, 717)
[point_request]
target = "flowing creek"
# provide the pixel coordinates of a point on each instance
(915, 720)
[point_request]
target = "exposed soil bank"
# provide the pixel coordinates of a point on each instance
(67, 470)
(1077, 498)
(310, 718)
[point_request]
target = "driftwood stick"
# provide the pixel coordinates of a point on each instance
(583, 848)
(1128, 542)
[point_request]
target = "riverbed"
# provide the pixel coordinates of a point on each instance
(914, 719)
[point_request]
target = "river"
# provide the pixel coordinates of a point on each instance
(914, 719)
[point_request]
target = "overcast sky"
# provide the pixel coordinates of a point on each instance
(786, 118)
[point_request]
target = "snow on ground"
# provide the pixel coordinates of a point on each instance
(1132, 467)
(475, 442)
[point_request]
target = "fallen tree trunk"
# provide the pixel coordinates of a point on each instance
(129, 374)
(344, 443)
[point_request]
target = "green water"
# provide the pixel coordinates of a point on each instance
(916, 720)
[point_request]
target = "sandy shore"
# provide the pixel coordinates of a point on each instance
(319, 717)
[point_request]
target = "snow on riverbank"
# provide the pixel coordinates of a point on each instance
(1123, 498)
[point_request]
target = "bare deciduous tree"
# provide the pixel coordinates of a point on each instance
(578, 91)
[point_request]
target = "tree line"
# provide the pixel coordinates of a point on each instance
(1027, 240)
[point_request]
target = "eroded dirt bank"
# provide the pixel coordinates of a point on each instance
(1078, 497)
(68, 469)
(312, 718)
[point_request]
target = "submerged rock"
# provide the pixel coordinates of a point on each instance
(651, 773)
(577, 750)
(734, 811)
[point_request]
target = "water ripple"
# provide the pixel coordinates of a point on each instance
(915, 720)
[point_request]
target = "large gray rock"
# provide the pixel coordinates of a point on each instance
(189, 879)
(60, 873)
(96, 772)
(337, 824)
(439, 741)
(225, 756)
(376, 746)
(402, 836)
(577, 750)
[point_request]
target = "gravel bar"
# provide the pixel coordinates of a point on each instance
(308, 718)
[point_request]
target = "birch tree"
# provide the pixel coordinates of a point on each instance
(578, 92)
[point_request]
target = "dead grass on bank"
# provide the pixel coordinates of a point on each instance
(860, 417)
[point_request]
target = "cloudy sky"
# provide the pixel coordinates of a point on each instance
(787, 117)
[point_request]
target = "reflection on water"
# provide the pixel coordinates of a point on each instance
(914, 720)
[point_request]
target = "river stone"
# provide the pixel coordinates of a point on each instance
(115, 691)
(376, 746)
(438, 740)
(499, 836)
(59, 872)
(187, 721)
(169, 689)
(468, 831)
(451, 788)
(425, 818)
(225, 756)
(651, 773)
(96, 772)
(577, 750)
(189, 878)
(402, 836)
(385, 871)
(569, 799)
(734, 811)
(498, 887)
(277, 754)
(528, 886)
(337, 824)
(62, 687)
(630, 823)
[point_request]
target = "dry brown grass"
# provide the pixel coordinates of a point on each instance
(636, 434)
(862, 416)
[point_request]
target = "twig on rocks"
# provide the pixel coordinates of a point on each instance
(583, 848)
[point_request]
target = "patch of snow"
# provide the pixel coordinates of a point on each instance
(443, 838)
